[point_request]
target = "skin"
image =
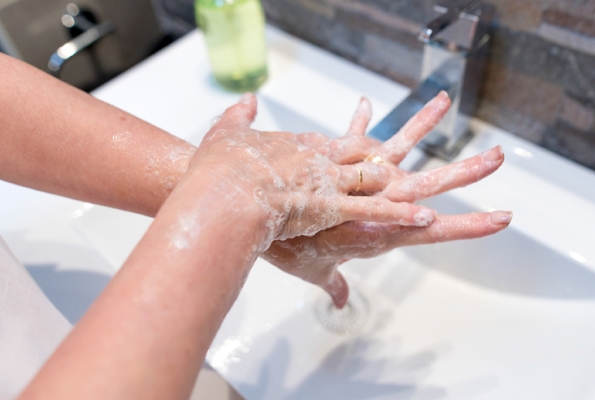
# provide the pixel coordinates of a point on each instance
(147, 334)
(316, 259)
(58, 139)
(114, 159)
(151, 327)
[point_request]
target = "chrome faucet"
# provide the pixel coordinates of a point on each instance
(90, 33)
(455, 49)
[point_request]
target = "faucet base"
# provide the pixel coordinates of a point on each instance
(436, 144)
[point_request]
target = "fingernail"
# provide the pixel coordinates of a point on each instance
(494, 154)
(441, 101)
(365, 107)
(424, 217)
(246, 98)
(501, 217)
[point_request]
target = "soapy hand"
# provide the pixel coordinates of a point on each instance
(298, 189)
(315, 259)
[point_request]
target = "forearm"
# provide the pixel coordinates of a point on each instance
(58, 139)
(147, 334)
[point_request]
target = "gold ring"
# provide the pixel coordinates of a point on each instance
(375, 159)
(361, 178)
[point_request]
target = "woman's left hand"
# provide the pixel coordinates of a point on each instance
(316, 259)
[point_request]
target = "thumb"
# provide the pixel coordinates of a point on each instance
(337, 288)
(240, 115)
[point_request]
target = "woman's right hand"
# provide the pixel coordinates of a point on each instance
(298, 189)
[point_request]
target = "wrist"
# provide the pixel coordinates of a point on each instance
(226, 203)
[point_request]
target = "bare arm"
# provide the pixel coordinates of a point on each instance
(147, 334)
(58, 139)
(149, 331)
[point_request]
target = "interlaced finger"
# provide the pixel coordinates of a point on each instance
(426, 184)
(363, 239)
(378, 209)
(364, 177)
(396, 148)
(453, 227)
(351, 149)
(361, 118)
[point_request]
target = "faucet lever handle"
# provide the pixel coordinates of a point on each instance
(459, 28)
(449, 15)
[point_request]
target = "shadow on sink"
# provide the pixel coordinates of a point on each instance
(356, 368)
(346, 372)
(71, 292)
(509, 261)
(70, 276)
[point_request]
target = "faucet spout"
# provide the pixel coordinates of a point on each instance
(90, 34)
(454, 54)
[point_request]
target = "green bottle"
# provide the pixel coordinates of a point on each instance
(234, 33)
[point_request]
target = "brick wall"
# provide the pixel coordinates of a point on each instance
(540, 78)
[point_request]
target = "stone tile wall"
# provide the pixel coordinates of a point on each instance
(540, 78)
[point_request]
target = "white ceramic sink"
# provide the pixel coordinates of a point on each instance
(506, 317)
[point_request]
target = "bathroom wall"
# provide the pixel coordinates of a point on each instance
(540, 79)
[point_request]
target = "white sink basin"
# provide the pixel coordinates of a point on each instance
(510, 316)
(506, 317)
